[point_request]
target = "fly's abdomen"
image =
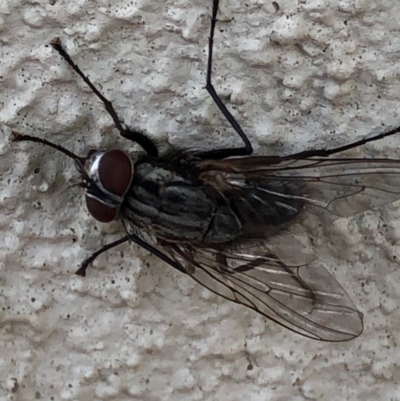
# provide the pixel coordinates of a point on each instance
(177, 208)
(264, 207)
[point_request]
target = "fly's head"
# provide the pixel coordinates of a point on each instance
(106, 177)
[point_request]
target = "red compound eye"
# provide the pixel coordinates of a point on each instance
(115, 171)
(112, 173)
(100, 211)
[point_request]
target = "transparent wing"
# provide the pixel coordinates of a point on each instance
(275, 199)
(305, 298)
(342, 187)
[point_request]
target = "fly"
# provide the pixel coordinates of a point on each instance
(229, 219)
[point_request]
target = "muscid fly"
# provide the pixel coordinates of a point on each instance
(229, 219)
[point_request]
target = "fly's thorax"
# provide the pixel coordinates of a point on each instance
(177, 206)
(109, 174)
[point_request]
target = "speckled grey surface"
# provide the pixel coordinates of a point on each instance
(313, 73)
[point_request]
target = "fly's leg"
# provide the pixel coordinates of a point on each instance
(130, 237)
(328, 152)
(85, 264)
(247, 149)
(139, 137)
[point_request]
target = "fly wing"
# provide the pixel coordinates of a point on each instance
(273, 198)
(342, 187)
(305, 298)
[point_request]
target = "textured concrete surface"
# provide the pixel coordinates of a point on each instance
(297, 75)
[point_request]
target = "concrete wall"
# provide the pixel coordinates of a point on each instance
(297, 75)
